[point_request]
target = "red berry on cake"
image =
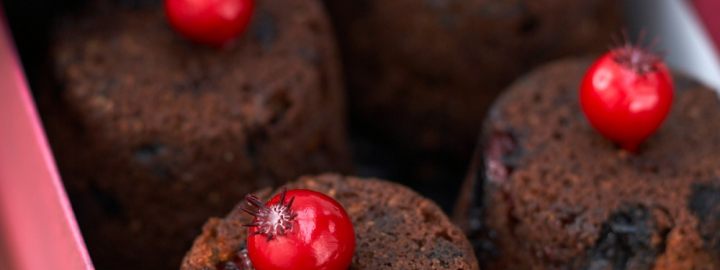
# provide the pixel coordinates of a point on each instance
(299, 229)
(209, 22)
(626, 94)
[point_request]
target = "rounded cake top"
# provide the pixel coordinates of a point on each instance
(395, 228)
(571, 192)
(118, 64)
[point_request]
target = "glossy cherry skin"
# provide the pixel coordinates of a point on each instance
(624, 104)
(321, 237)
(209, 22)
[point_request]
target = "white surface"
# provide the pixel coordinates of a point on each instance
(680, 35)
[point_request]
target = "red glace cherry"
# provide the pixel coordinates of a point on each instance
(210, 22)
(626, 94)
(299, 229)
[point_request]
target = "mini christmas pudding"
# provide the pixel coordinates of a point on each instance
(553, 185)
(422, 74)
(154, 131)
(394, 228)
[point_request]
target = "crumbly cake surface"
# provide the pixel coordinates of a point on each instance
(395, 228)
(548, 192)
(153, 133)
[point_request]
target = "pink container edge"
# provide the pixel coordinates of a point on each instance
(37, 226)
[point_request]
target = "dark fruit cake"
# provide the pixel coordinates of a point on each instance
(154, 133)
(395, 228)
(423, 73)
(546, 191)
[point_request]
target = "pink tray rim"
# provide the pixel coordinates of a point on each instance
(37, 226)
